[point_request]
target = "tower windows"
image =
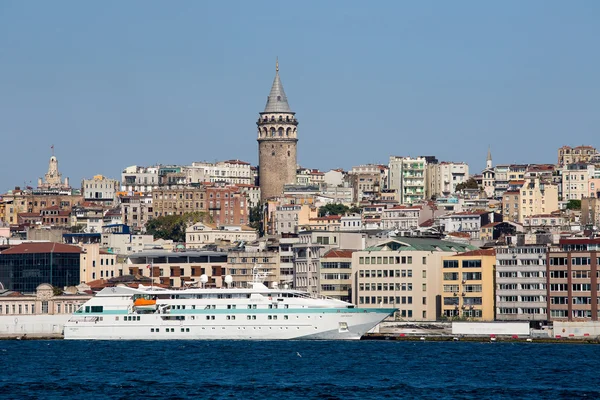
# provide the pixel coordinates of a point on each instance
(280, 131)
(272, 153)
(273, 132)
(288, 153)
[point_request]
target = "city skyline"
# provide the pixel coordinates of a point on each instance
(366, 83)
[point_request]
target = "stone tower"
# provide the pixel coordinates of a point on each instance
(277, 140)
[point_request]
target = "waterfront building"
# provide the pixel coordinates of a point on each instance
(572, 279)
(277, 142)
(307, 253)
(336, 274)
(521, 282)
(405, 273)
(40, 301)
(468, 285)
(26, 266)
(241, 266)
(176, 269)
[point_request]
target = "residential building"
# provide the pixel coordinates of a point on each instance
(334, 177)
(496, 230)
(351, 222)
(500, 180)
(137, 210)
(232, 172)
(575, 180)
(511, 206)
(590, 211)
(545, 222)
(226, 205)
(537, 197)
(97, 263)
(243, 265)
(468, 222)
(290, 218)
(405, 273)
(89, 217)
(445, 176)
(468, 285)
(118, 239)
(573, 280)
(26, 266)
(100, 189)
(203, 233)
(572, 155)
(326, 223)
(178, 200)
(307, 254)
(338, 194)
(407, 177)
(336, 274)
(29, 200)
(139, 179)
(366, 181)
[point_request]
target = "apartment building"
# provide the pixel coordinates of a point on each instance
(573, 277)
(468, 285)
(100, 189)
(336, 274)
(571, 155)
(575, 180)
(178, 200)
(407, 176)
(139, 179)
(521, 282)
(537, 197)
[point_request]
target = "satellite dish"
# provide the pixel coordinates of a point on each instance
(228, 279)
(286, 286)
(203, 278)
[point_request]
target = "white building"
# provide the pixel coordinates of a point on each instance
(100, 189)
(118, 240)
(338, 194)
(334, 177)
(449, 175)
(202, 233)
(230, 171)
(352, 222)
(401, 217)
(575, 180)
(139, 179)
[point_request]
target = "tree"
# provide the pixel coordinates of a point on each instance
(57, 291)
(255, 218)
(172, 227)
(471, 183)
(333, 209)
(574, 205)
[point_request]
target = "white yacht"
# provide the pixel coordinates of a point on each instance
(255, 313)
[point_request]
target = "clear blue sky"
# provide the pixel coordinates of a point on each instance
(118, 83)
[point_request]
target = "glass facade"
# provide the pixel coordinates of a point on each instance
(24, 272)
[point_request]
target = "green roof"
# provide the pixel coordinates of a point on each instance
(420, 244)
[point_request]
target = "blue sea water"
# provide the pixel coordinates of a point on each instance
(296, 369)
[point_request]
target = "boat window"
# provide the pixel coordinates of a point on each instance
(286, 306)
(151, 329)
(285, 317)
(249, 306)
(187, 329)
(97, 309)
(157, 330)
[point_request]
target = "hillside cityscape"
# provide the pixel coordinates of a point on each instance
(429, 237)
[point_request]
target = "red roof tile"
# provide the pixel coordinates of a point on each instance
(42, 247)
(335, 253)
(484, 252)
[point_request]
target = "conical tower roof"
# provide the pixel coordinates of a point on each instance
(277, 100)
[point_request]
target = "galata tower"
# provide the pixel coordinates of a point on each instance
(277, 140)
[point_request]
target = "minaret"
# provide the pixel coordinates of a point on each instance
(488, 162)
(277, 140)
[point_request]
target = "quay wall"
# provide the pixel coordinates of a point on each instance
(490, 328)
(33, 325)
(576, 329)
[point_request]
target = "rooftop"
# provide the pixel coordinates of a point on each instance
(42, 248)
